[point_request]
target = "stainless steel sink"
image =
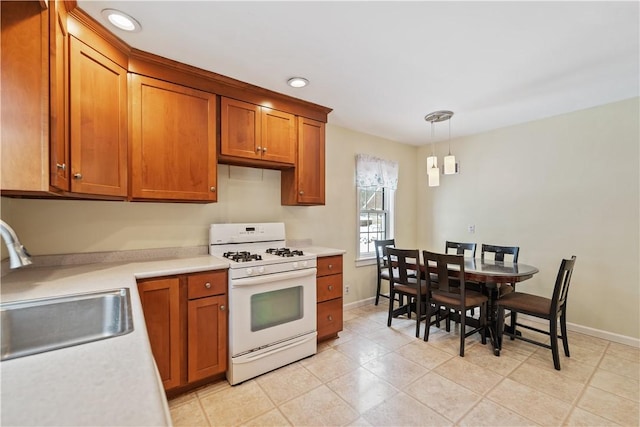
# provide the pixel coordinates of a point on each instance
(36, 326)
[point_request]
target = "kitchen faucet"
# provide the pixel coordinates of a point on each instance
(18, 255)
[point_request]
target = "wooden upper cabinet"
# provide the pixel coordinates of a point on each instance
(24, 111)
(98, 122)
(173, 141)
(259, 134)
(304, 185)
(59, 93)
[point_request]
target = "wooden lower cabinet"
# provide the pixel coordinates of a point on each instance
(186, 319)
(329, 296)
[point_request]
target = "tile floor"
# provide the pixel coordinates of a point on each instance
(373, 375)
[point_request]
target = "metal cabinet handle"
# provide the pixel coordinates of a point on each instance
(301, 192)
(61, 166)
(259, 149)
(330, 287)
(330, 317)
(330, 266)
(77, 175)
(213, 189)
(207, 285)
(222, 308)
(264, 149)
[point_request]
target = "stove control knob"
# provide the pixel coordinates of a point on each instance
(295, 265)
(261, 270)
(249, 271)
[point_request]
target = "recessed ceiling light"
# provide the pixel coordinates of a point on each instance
(297, 82)
(121, 20)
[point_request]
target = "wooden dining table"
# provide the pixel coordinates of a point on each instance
(491, 275)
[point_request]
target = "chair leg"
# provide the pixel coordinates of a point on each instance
(428, 314)
(553, 331)
(391, 299)
(463, 323)
(418, 313)
(563, 331)
(483, 323)
(500, 327)
(514, 318)
(378, 290)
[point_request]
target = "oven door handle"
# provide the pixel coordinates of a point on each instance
(270, 278)
(241, 360)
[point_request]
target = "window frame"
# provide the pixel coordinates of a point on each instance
(388, 197)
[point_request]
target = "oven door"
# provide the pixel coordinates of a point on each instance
(271, 309)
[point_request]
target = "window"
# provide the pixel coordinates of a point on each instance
(375, 218)
(376, 181)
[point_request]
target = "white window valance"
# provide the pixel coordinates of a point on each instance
(375, 172)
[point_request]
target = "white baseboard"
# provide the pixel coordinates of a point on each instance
(610, 336)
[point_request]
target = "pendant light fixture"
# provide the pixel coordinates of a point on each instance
(433, 171)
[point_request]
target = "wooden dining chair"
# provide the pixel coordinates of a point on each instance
(456, 298)
(550, 309)
(466, 249)
(499, 253)
(383, 265)
(403, 282)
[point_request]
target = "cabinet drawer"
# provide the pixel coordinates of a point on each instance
(329, 287)
(207, 284)
(329, 265)
(329, 318)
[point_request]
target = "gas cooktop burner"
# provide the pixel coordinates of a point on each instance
(242, 256)
(284, 252)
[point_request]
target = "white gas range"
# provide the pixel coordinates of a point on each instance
(272, 298)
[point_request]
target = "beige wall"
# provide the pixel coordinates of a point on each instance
(562, 186)
(534, 185)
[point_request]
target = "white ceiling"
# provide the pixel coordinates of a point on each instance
(382, 66)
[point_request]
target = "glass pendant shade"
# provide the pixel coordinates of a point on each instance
(433, 175)
(431, 162)
(449, 164)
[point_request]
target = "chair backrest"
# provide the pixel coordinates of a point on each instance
(380, 255)
(561, 288)
(442, 262)
(404, 265)
(500, 251)
(461, 248)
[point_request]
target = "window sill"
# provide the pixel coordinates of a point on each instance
(364, 262)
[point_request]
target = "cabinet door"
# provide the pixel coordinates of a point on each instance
(173, 141)
(240, 129)
(59, 84)
(311, 160)
(207, 348)
(278, 136)
(24, 110)
(304, 184)
(98, 122)
(161, 305)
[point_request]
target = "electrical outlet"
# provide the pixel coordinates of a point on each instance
(346, 290)
(471, 228)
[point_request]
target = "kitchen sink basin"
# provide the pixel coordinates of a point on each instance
(35, 326)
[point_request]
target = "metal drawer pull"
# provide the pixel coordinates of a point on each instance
(330, 266)
(222, 308)
(301, 192)
(330, 317)
(77, 176)
(330, 287)
(207, 285)
(213, 189)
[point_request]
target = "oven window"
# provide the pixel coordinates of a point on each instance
(274, 308)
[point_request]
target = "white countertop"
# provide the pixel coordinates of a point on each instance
(108, 382)
(322, 251)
